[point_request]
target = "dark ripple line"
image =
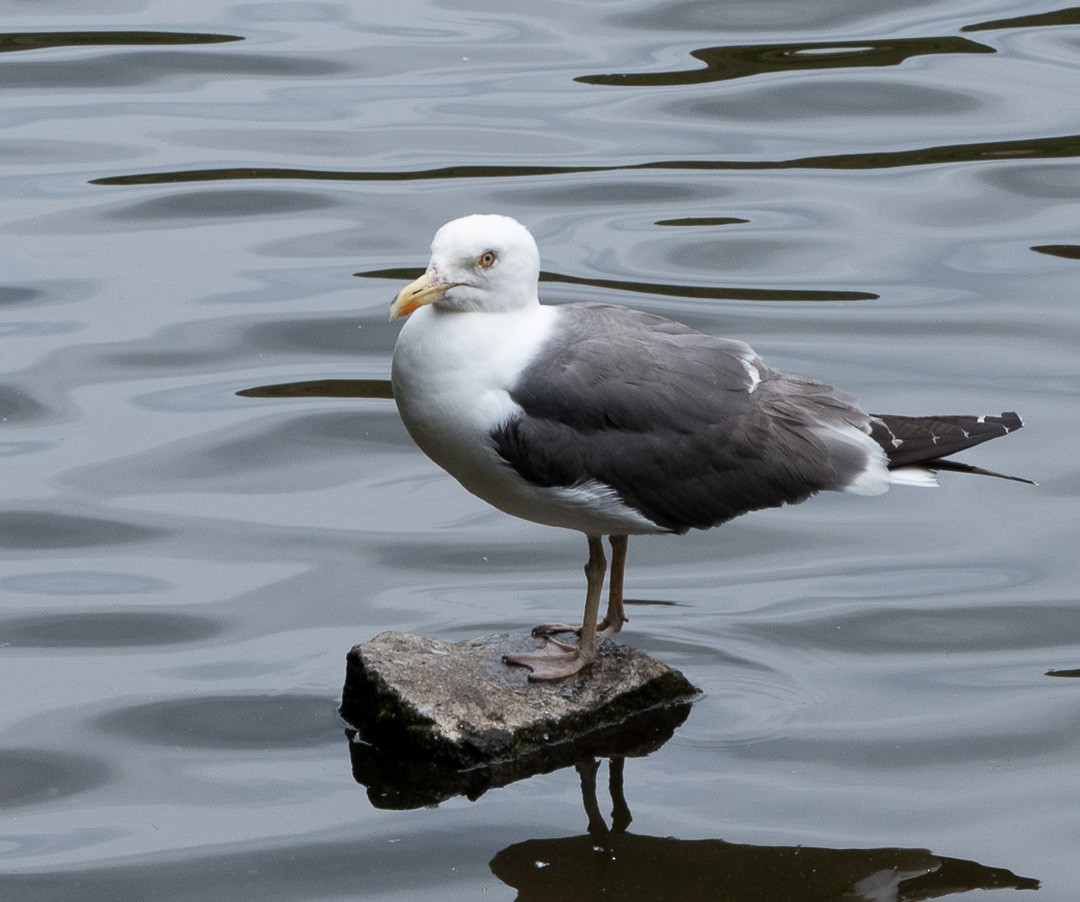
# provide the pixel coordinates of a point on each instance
(1067, 251)
(706, 292)
(745, 60)
(322, 388)
(713, 293)
(702, 221)
(1070, 16)
(12, 42)
(1064, 146)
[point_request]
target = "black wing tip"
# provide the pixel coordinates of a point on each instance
(1011, 420)
(909, 440)
(956, 466)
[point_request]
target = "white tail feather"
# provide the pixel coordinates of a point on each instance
(915, 476)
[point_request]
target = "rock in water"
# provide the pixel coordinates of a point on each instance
(458, 705)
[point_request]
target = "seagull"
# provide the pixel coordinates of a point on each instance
(615, 422)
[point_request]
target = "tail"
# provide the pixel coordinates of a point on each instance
(923, 442)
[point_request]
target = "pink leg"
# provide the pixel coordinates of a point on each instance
(616, 613)
(557, 659)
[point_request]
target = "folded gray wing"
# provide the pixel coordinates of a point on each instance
(689, 429)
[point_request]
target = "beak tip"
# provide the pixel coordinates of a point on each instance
(425, 290)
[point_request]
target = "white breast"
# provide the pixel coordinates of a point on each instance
(452, 374)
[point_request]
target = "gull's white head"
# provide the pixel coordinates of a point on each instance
(481, 262)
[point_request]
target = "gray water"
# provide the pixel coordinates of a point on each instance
(885, 196)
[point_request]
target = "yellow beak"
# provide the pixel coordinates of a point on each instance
(424, 290)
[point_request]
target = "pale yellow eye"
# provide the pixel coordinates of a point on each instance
(487, 259)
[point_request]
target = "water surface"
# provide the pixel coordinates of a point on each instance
(208, 497)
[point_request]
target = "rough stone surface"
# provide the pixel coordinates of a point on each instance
(457, 705)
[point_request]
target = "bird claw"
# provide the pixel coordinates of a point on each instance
(552, 661)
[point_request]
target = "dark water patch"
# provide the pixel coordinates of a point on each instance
(105, 629)
(84, 582)
(1067, 251)
(707, 292)
(1068, 16)
(735, 61)
(37, 776)
(12, 295)
(27, 530)
(249, 722)
(17, 406)
(1056, 147)
(139, 69)
(702, 221)
(46, 291)
(37, 40)
(209, 205)
(323, 388)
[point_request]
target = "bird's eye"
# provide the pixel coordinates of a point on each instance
(487, 259)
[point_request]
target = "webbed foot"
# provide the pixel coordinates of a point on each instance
(552, 661)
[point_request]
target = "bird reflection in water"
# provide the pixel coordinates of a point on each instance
(610, 863)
